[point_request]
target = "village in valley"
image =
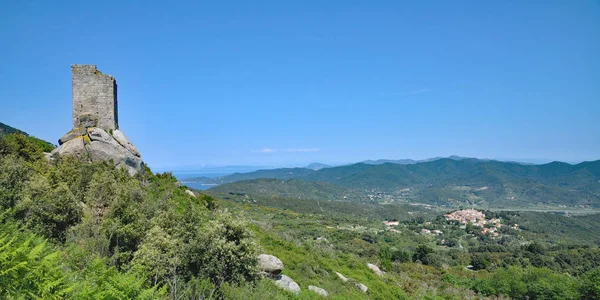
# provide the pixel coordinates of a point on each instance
(467, 219)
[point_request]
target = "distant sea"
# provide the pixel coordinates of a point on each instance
(197, 185)
(182, 173)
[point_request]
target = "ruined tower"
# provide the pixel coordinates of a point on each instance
(94, 96)
(95, 135)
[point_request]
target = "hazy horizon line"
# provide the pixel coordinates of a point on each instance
(196, 166)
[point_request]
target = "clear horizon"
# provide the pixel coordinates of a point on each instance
(285, 84)
(208, 168)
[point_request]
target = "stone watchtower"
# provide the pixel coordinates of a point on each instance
(95, 135)
(95, 96)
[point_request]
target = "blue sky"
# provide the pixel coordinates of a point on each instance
(292, 82)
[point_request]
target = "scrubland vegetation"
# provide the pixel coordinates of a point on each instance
(89, 231)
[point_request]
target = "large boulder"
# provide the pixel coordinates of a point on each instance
(375, 269)
(269, 265)
(359, 285)
(122, 139)
(104, 147)
(287, 284)
(74, 146)
(77, 132)
(99, 135)
(318, 290)
(97, 145)
(363, 288)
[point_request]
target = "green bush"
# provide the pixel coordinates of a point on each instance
(591, 284)
(223, 250)
(529, 283)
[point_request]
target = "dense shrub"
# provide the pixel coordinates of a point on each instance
(137, 231)
(529, 283)
(591, 284)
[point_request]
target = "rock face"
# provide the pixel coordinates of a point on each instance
(79, 131)
(74, 146)
(123, 141)
(95, 135)
(269, 265)
(318, 290)
(375, 269)
(95, 144)
(287, 284)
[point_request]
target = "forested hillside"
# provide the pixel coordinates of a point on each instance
(545, 256)
(6, 129)
(44, 145)
(293, 188)
(454, 182)
(76, 230)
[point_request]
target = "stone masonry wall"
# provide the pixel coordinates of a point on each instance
(96, 94)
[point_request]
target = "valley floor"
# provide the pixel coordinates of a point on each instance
(425, 256)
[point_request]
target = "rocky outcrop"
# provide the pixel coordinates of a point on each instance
(269, 265)
(286, 283)
(363, 288)
(375, 269)
(75, 146)
(318, 290)
(79, 131)
(95, 144)
(123, 141)
(342, 277)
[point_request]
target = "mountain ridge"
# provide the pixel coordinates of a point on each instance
(455, 181)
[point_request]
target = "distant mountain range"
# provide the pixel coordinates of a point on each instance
(296, 172)
(197, 173)
(455, 181)
(412, 161)
(317, 166)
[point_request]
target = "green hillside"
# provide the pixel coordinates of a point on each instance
(293, 188)
(456, 182)
(8, 130)
(5, 129)
(282, 173)
(531, 262)
(76, 230)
